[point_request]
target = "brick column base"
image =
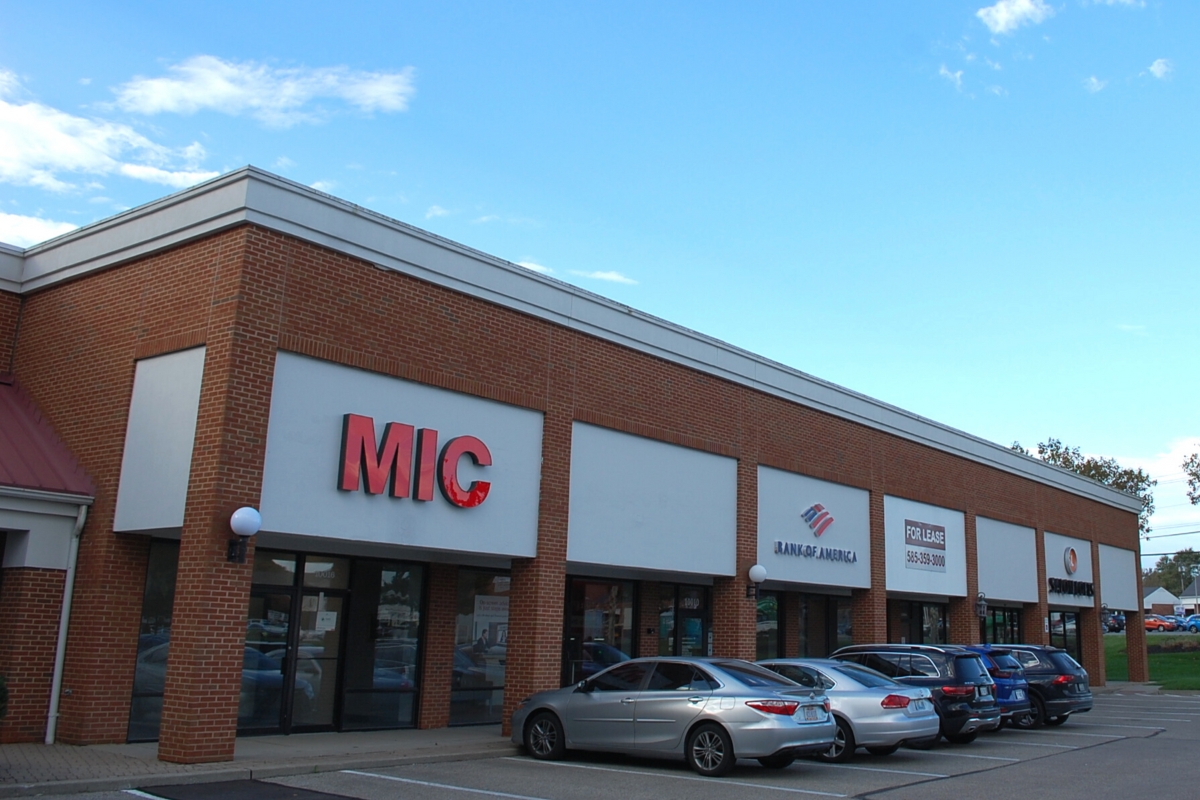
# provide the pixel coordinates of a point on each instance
(1135, 647)
(1091, 639)
(1033, 623)
(963, 627)
(734, 619)
(32, 601)
(869, 611)
(646, 638)
(535, 630)
(791, 619)
(437, 660)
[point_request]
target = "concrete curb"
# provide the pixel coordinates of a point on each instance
(253, 772)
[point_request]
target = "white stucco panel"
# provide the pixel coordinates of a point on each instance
(1057, 549)
(301, 494)
(812, 531)
(926, 568)
(641, 503)
(157, 463)
(1007, 559)
(1118, 578)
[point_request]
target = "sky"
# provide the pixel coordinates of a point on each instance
(981, 213)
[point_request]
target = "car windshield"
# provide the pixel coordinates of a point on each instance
(867, 677)
(753, 675)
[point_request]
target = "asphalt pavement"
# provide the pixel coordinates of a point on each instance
(1128, 746)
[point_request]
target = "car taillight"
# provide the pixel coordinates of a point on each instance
(1059, 680)
(958, 691)
(999, 673)
(784, 708)
(895, 701)
(827, 706)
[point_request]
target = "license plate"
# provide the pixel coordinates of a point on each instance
(1018, 694)
(918, 705)
(985, 691)
(810, 714)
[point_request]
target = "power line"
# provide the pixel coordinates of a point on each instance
(1169, 535)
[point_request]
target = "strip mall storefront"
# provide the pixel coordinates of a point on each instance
(474, 482)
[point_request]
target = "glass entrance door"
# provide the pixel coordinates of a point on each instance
(262, 703)
(683, 621)
(599, 629)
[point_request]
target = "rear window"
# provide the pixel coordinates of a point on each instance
(970, 669)
(867, 677)
(1005, 661)
(1065, 662)
(1029, 660)
(752, 675)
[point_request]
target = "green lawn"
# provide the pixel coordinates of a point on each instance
(1177, 668)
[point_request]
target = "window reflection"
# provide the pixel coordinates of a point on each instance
(154, 642)
(480, 648)
(599, 627)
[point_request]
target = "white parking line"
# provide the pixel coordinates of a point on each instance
(1026, 744)
(1106, 725)
(968, 755)
(441, 785)
(879, 769)
(677, 777)
(1077, 733)
(143, 795)
(1157, 719)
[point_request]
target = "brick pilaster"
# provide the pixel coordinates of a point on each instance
(963, 627)
(735, 616)
(649, 598)
(204, 671)
(869, 606)
(791, 619)
(437, 658)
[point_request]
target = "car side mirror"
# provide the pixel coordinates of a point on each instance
(583, 686)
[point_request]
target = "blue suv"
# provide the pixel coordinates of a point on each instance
(1012, 690)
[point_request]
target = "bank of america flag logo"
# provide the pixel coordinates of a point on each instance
(817, 518)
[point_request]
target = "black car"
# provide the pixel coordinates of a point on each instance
(1115, 623)
(964, 694)
(1058, 686)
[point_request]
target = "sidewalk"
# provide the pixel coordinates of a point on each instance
(33, 769)
(1126, 687)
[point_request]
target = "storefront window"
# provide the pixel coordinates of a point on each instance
(922, 623)
(480, 646)
(1001, 626)
(383, 651)
(600, 627)
(326, 572)
(767, 629)
(683, 621)
(1064, 632)
(154, 641)
(274, 569)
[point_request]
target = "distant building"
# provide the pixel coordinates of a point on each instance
(1159, 601)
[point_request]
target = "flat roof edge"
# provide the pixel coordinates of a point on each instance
(261, 198)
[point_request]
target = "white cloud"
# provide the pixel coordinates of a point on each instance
(535, 267)
(953, 77)
(600, 275)
(486, 218)
(1161, 68)
(27, 231)
(38, 144)
(283, 162)
(436, 211)
(323, 186)
(1137, 3)
(1094, 84)
(274, 96)
(999, 91)
(1008, 15)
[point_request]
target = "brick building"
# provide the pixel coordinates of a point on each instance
(474, 482)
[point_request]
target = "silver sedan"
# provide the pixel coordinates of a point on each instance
(711, 711)
(871, 709)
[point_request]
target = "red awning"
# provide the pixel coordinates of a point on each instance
(31, 454)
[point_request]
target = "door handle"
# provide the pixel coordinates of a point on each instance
(695, 699)
(625, 701)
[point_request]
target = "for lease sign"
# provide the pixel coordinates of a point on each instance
(924, 546)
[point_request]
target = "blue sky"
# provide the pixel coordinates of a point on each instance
(981, 213)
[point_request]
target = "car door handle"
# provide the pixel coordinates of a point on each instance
(695, 699)
(625, 701)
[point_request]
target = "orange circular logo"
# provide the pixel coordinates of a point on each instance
(1071, 560)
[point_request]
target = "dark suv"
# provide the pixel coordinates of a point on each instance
(1058, 686)
(964, 694)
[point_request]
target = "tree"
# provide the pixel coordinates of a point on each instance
(1103, 470)
(1175, 573)
(1191, 466)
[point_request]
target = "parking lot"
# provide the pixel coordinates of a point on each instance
(1127, 746)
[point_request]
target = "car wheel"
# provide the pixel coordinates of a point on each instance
(883, 751)
(544, 737)
(1056, 721)
(1036, 716)
(710, 751)
(1161, 628)
(777, 762)
(842, 749)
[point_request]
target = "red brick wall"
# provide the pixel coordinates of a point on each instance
(437, 660)
(32, 601)
(247, 291)
(10, 309)
(649, 600)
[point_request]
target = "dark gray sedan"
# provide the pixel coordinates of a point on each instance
(711, 711)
